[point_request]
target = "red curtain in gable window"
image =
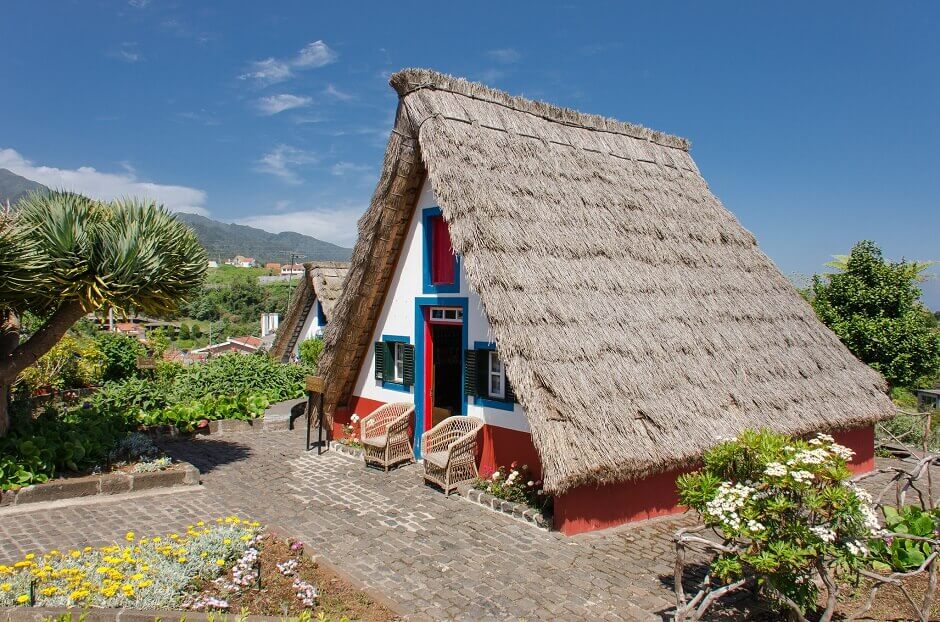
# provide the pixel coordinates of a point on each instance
(442, 254)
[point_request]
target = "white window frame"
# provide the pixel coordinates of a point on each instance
(398, 362)
(501, 374)
(439, 315)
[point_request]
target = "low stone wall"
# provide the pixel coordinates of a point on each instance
(180, 474)
(519, 511)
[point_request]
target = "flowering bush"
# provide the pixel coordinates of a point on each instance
(516, 484)
(141, 573)
(785, 510)
(350, 434)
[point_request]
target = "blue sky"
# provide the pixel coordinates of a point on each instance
(817, 124)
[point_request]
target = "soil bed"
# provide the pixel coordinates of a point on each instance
(278, 596)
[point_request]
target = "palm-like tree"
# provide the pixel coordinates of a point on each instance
(63, 255)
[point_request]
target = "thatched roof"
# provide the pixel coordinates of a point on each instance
(323, 281)
(638, 320)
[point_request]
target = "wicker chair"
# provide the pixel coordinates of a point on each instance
(385, 437)
(449, 451)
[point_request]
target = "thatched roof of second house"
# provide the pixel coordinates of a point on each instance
(322, 281)
(638, 320)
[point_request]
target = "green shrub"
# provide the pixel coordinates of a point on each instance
(234, 374)
(120, 353)
(310, 351)
(187, 416)
(900, 554)
(38, 448)
(70, 364)
(785, 509)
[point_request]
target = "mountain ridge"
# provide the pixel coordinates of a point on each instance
(220, 239)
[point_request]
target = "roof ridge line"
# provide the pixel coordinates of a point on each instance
(401, 82)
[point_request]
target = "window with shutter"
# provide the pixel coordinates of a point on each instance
(379, 348)
(408, 370)
(470, 373)
(487, 374)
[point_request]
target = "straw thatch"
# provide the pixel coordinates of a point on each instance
(638, 320)
(323, 281)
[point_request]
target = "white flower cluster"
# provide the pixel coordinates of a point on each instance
(857, 548)
(306, 592)
(754, 526)
(842, 451)
(809, 456)
(802, 477)
(287, 568)
(775, 469)
(512, 477)
(729, 499)
(823, 533)
(354, 419)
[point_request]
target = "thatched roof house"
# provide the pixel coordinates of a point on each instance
(637, 319)
(311, 306)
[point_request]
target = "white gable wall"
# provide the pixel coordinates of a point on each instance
(398, 318)
(311, 325)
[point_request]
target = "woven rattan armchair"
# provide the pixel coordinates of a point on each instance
(449, 451)
(385, 437)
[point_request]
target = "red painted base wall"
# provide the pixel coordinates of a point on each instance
(589, 508)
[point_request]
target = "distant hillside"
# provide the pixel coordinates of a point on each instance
(13, 186)
(226, 240)
(218, 238)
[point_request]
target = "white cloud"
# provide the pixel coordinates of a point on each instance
(346, 168)
(283, 204)
(316, 54)
(488, 76)
(283, 161)
(127, 52)
(334, 92)
(336, 225)
(274, 70)
(267, 71)
(138, 4)
(505, 55)
(106, 186)
(274, 104)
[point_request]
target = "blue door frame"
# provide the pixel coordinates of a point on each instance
(422, 409)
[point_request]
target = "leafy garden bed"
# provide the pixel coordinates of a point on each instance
(226, 565)
(91, 437)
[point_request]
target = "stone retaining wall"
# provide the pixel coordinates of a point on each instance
(181, 473)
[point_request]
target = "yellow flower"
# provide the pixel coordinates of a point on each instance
(22, 598)
(145, 583)
(75, 554)
(87, 549)
(181, 560)
(204, 554)
(5, 587)
(227, 541)
(30, 556)
(22, 564)
(78, 594)
(201, 523)
(129, 536)
(220, 562)
(137, 576)
(174, 536)
(49, 591)
(158, 539)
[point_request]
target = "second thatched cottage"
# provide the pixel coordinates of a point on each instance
(311, 307)
(571, 281)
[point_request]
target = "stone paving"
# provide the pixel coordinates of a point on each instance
(438, 558)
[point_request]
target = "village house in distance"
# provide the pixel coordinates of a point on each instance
(311, 306)
(571, 281)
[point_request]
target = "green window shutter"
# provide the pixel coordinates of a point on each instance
(470, 373)
(388, 357)
(408, 373)
(379, 348)
(483, 373)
